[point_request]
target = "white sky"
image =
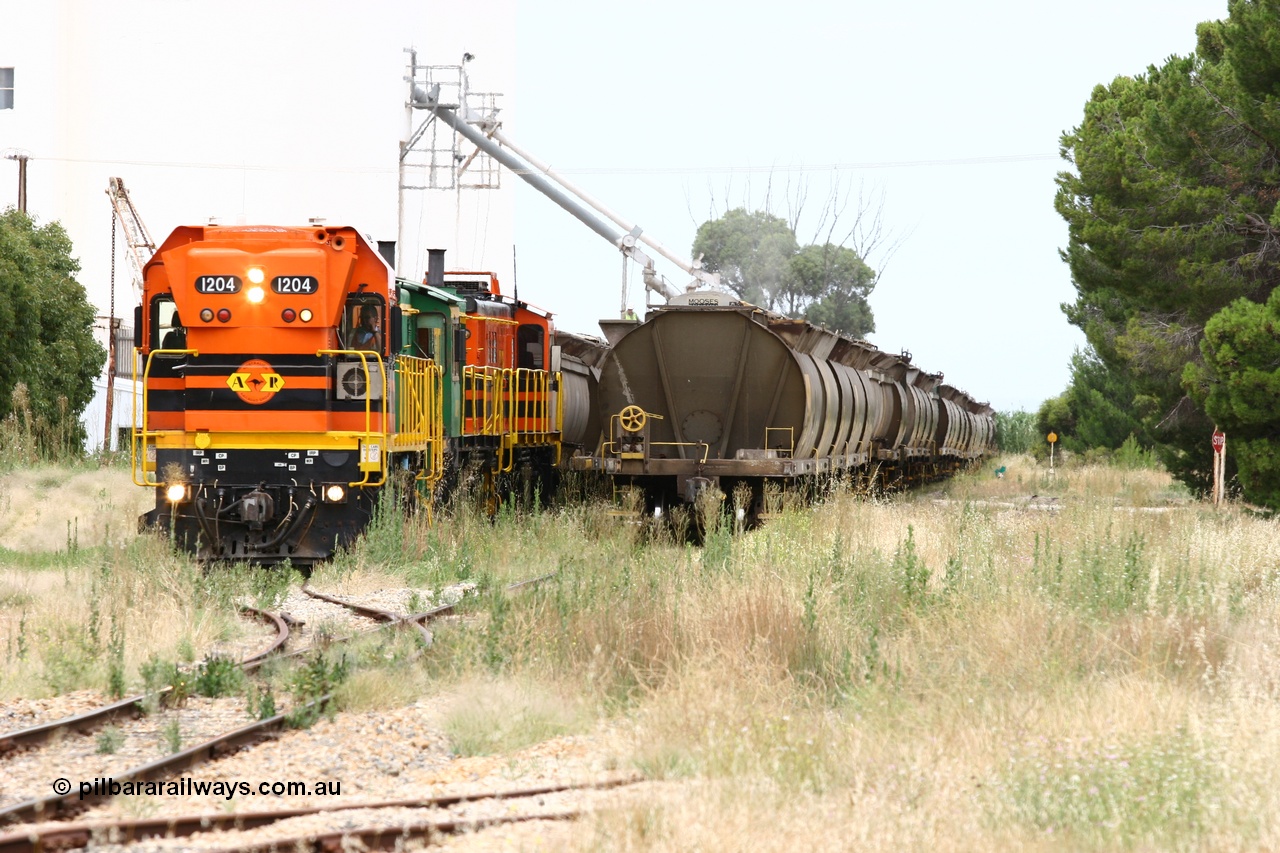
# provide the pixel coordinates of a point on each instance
(658, 100)
(668, 112)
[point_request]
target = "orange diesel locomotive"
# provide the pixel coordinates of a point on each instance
(287, 376)
(269, 410)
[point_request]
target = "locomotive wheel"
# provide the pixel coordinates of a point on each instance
(632, 418)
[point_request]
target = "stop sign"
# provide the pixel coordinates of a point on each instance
(1219, 440)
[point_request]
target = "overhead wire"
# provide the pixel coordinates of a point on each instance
(997, 159)
(810, 167)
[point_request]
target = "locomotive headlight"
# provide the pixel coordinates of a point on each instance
(256, 275)
(176, 492)
(255, 295)
(334, 494)
(305, 314)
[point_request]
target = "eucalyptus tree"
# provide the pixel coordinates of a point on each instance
(46, 324)
(759, 258)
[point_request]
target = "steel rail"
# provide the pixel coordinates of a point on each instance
(418, 620)
(531, 582)
(394, 837)
(373, 613)
(365, 610)
(67, 836)
(92, 720)
(57, 806)
(81, 723)
(282, 637)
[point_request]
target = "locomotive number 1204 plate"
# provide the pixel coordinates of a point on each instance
(295, 284)
(218, 284)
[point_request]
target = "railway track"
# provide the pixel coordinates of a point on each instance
(131, 706)
(372, 835)
(416, 620)
(59, 806)
(91, 721)
(70, 802)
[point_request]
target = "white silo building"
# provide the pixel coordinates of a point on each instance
(261, 112)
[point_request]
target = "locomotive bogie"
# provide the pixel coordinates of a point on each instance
(265, 505)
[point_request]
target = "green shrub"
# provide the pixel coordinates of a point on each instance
(218, 676)
(1016, 432)
(110, 740)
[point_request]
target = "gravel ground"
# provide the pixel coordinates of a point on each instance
(387, 755)
(372, 756)
(16, 714)
(310, 617)
(394, 600)
(29, 774)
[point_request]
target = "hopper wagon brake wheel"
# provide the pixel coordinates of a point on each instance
(632, 418)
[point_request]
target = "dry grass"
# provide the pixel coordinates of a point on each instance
(487, 716)
(94, 618)
(1083, 661)
(385, 676)
(42, 508)
(84, 600)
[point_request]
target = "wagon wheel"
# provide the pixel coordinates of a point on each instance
(632, 418)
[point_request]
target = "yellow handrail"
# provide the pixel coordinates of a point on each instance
(367, 442)
(506, 420)
(609, 447)
(420, 413)
(433, 469)
(416, 384)
(791, 438)
(479, 382)
(420, 417)
(506, 414)
(141, 432)
(511, 404)
(706, 448)
(559, 424)
(536, 386)
(615, 428)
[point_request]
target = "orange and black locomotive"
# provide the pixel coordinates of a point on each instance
(286, 378)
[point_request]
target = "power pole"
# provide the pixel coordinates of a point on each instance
(22, 157)
(22, 184)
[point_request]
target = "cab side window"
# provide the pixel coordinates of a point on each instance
(167, 331)
(429, 337)
(363, 321)
(529, 342)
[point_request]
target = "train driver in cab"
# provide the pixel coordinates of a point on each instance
(176, 337)
(366, 337)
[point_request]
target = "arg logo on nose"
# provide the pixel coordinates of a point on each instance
(255, 382)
